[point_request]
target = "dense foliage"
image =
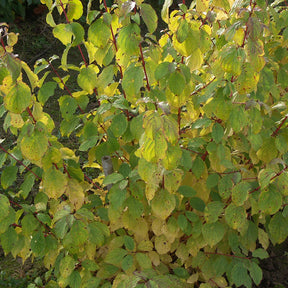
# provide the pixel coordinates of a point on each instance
(179, 175)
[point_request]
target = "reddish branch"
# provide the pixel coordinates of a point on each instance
(31, 115)
(144, 67)
(62, 82)
(20, 162)
(275, 133)
(246, 30)
(203, 87)
(272, 178)
(115, 45)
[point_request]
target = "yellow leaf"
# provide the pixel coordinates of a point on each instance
(54, 183)
(202, 5)
(195, 60)
(16, 120)
(75, 193)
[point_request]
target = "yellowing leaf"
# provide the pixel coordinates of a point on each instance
(33, 147)
(202, 5)
(213, 233)
(16, 120)
(87, 78)
(18, 97)
(75, 10)
(235, 216)
(75, 193)
(149, 17)
(67, 265)
(195, 60)
(163, 204)
(54, 183)
(162, 245)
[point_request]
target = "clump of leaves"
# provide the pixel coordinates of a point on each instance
(192, 125)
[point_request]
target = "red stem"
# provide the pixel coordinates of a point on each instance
(274, 134)
(3, 45)
(62, 82)
(62, 6)
(20, 162)
(31, 115)
(115, 45)
(91, 181)
(144, 67)
(203, 87)
(272, 178)
(246, 29)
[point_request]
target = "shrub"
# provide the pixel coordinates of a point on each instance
(184, 138)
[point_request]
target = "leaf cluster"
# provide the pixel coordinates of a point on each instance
(179, 175)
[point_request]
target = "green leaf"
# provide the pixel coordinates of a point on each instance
(54, 183)
(260, 253)
(198, 167)
(46, 91)
(87, 78)
(187, 191)
(29, 224)
(112, 178)
(143, 261)
(67, 266)
(182, 31)
(197, 204)
(115, 256)
(70, 33)
(264, 177)
(163, 204)
(240, 276)
(278, 228)
(235, 216)
(181, 272)
(182, 222)
(129, 243)
(127, 262)
(75, 280)
(75, 10)
(268, 151)
(128, 39)
(240, 193)
(163, 70)
(176, 83)
(4, 206)
(213, 233)
(18, 98)
(119, 125)
(255, 272)
(8, 240)
(225, 185)
(38, 244)
(99, 33)
(68, 126)
(217, 133)
(132, 81)
(270, 200)
(8, 176)
(149, 17)
(213, 210)
(68, 106)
